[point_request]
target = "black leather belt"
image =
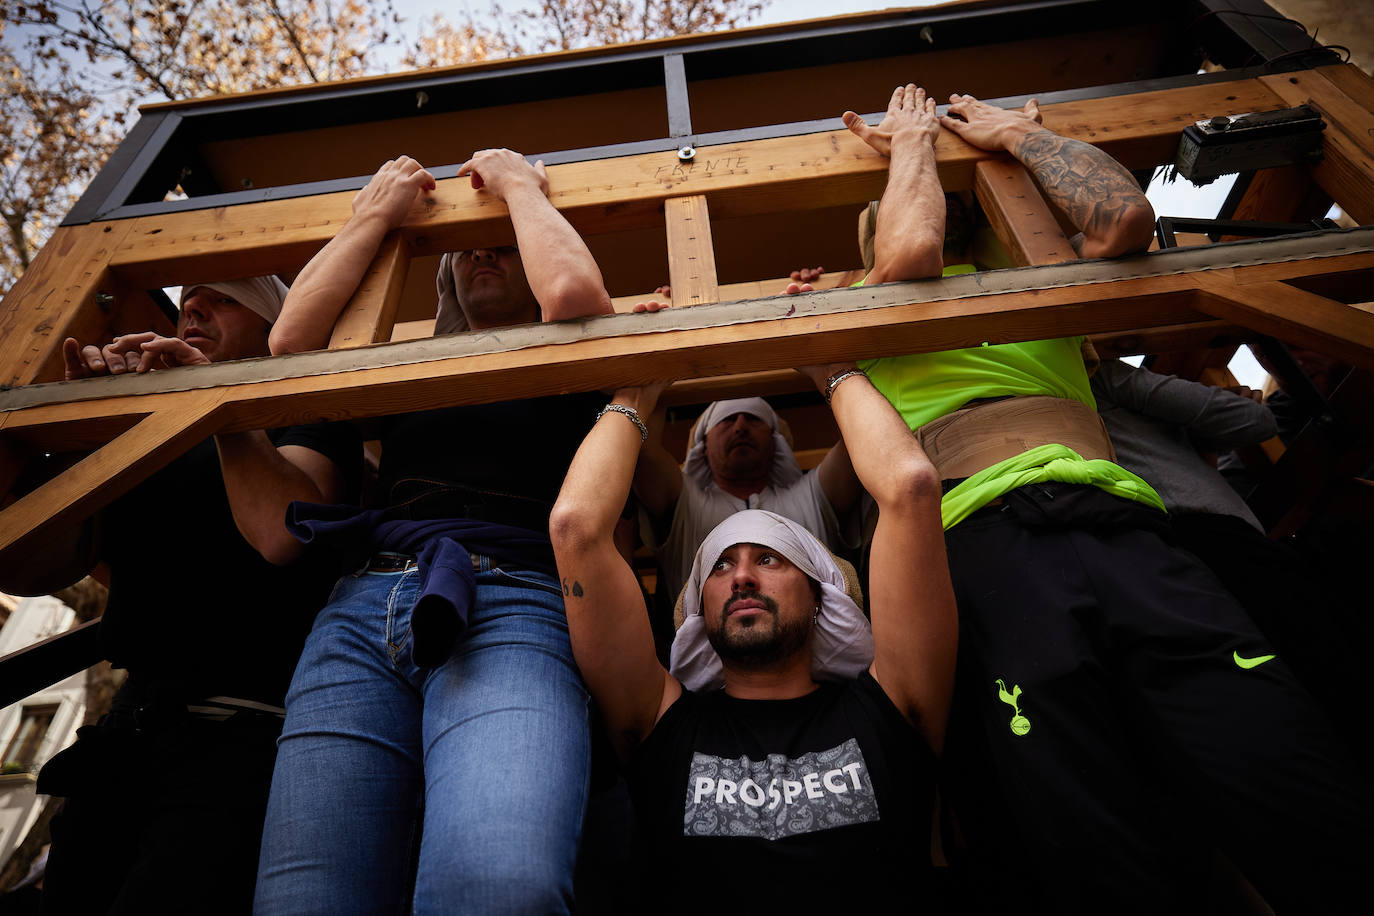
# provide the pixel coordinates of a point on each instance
(424, 500)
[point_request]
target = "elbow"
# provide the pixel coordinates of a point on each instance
(913, 262)
(1130, 233)
(284, 339)
(279, 549)
(572, 528)
(576, 298)
(913, 484)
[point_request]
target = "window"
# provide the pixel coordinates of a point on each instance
(23, 747)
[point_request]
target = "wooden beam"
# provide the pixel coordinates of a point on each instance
(1292, 315)
(1322, 456)
(56, 298)
(829, 168)
(1346, 171)
(1019, 215)
(369, 315)
(691, 257)
(1171, 339)
(1281, 195)
(708, 340)
(105, 474)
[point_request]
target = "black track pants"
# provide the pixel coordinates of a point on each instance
(1116, 718)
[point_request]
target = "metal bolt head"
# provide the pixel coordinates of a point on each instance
(686, 153)
(104, 299)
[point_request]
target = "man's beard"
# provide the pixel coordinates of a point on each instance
(766, 642)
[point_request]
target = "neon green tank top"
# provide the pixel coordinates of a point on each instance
(926, 386)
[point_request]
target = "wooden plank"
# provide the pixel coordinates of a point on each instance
(102, 476)
(128, 310)
(1322, 457)
(295, 388)
(1019, 214)
(829, 168)
(691, 257)
(1195, 364)
(1352, 81)
(1171, 339)
(729, 292)
(1346, 171)
(1281, 195)
(1292, 315)
(55, 299)
(369, 315)
(592, 364)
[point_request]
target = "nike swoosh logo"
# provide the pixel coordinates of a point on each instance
(1250, 662)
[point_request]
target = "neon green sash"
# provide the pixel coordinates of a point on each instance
(1042, 463)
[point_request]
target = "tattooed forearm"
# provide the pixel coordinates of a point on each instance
(572, 591)
(1091, 187)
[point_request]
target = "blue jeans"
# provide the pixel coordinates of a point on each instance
(469, 780)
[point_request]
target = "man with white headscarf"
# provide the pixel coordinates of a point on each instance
(739, 459)
(788, 758)
(207, 617)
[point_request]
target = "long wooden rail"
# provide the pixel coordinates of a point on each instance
(58, 295)
(88, 283)
(178, 407)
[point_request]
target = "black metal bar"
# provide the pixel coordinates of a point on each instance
(1164, 231)
(134, 155)
(1294, 381)
(717, 138)
(26, 671)
(1235, 195)
(1241, 33)
(679, 104)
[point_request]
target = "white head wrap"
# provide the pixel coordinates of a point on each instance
(450, 318)
(842, 640)
(785, 470)
(260, 295)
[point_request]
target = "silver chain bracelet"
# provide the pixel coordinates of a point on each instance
(834, 381)
(632, 414)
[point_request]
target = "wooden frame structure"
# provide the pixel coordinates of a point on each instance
(101, 272)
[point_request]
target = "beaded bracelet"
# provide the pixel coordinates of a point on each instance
(632, 414)
(834, 381)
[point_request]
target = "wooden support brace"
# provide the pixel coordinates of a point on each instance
(1019, 214)
(106, 473)
(691, 257)
(56, 299)
(369, 316)
(1281, 195)
(1346, 171)
(1323, 456)
(1292, 315)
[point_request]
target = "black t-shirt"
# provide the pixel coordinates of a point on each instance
(193, 607)
(819, 801)
(521, 448)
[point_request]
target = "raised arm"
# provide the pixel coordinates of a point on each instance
(607, 619)
(915, 626)
(325, 285)
(1216, 419)
(560, 269)
(658, 476)
(911, 220)
(1095, 191)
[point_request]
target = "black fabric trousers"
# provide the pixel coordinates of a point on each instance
(1321, 632)
(1105, 738)
(163, 819)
